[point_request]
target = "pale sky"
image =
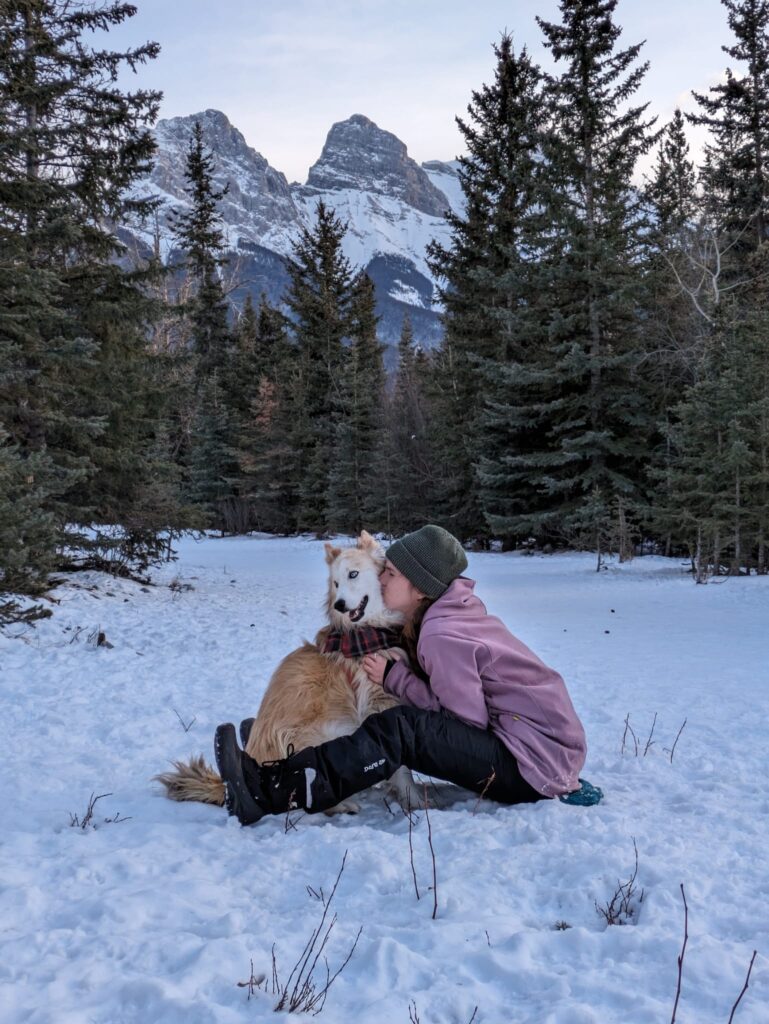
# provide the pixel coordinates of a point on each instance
(285, 71)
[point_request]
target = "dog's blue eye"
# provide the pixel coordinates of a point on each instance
(353, 574)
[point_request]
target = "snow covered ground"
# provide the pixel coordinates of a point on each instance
(157, 917)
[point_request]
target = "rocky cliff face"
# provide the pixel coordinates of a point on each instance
(361, 156)
(392, 205)
(258, 207)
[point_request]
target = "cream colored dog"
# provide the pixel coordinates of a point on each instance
(315, 696)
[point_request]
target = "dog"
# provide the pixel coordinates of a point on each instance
(317, 692)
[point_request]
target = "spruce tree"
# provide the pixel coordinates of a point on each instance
(356, 489)
(265, 402)
(674, 333)
(25, 528)
(736, 111)
(210, 458)
(489, 272)
(582, 389)
(714, 470)
(74, 145)
(714, 494)
(672, 185)
(408, 479)
(198, 232)
(212, 455)
(318, 299)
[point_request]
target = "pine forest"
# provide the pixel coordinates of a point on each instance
(602, 381)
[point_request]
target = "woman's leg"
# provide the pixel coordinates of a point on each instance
(430, 742)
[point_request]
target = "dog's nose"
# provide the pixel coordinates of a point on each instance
(340, 606)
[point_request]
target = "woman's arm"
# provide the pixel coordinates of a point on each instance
(404, 684)
(455, 681)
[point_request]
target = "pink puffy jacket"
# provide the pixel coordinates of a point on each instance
(482, 674)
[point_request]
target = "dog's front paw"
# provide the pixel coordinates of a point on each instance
(402, 786)
(345, 807)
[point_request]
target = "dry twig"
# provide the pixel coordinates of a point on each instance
(744, 988)
(629, 729)
(620, 908)
(253, 982)
(681, 955)
(673, 748)
(75, 822)
(651, 733)
(484, 790)
(432, 854)
(305, 994)
(411, 852)
(185, 725)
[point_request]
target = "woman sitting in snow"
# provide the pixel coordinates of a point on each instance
(479, 708)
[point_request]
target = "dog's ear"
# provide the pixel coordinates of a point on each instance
(366, 541)
(332, 553)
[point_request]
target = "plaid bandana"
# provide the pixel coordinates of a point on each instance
(361, 641)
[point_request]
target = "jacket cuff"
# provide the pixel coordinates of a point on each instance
(392, 675)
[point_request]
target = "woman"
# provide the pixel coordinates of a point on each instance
(479, 708)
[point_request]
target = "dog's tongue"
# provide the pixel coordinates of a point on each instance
(357, 613)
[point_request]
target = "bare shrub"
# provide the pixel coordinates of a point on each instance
(680, 962)
(254, 982)
(649, 742)
(185, 725)
(623, 905)
(87, 820)
(302, 991)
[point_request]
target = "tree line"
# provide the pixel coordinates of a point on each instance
(603, 379)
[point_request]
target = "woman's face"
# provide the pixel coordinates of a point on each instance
(398, 594)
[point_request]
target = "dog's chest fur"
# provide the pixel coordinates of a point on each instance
(364, 698)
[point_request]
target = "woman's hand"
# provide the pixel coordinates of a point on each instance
(374, 666)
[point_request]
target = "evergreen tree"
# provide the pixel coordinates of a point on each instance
(714, 492)
(210, 459)
(133, 494)
(212, 455)
(672, 187)
(74, 145)
(199, 234)
(408, 476)
(356, 489)
(319, 299)
(717, 479)
(674, 333)
(25, 529)
(581, 391)
(489, 273)
(736, 111)
(265, 401)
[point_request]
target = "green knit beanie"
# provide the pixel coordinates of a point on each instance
(430, 558)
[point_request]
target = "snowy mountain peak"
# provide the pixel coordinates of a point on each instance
(258, 205)
(359, 155)
(392, 207)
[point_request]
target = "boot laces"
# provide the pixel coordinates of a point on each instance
(277, 769)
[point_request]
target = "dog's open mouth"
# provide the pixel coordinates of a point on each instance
(356, 614)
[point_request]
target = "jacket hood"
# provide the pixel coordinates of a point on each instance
(459, 598)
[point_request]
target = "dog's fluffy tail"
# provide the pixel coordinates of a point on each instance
(194, 780)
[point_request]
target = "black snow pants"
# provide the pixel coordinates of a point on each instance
(431, 742)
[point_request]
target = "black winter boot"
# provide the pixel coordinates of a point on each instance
(245, 731)
(253, 790)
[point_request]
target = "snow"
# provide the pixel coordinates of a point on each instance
(157, 917)
(377, 224)
(403, 292)
(445, 177)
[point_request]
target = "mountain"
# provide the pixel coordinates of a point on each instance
(393, 207)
